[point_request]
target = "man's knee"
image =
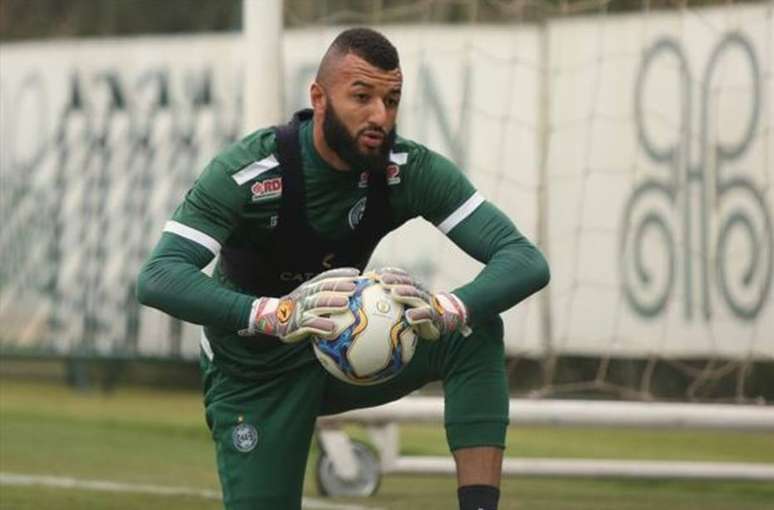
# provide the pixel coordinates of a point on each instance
(486, 343)
(492, 328)
(476, 389)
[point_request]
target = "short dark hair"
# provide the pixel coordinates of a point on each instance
(367, 44)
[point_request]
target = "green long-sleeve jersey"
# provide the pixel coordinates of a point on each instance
(236, 201)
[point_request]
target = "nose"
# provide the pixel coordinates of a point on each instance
(378, 114)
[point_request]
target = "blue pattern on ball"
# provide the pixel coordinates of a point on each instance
(337, 348)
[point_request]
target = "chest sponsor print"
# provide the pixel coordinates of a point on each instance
(267, 189)
(393, 174)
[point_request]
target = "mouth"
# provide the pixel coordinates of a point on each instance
(372, 139)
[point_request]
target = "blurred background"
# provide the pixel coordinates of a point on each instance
(631, 140)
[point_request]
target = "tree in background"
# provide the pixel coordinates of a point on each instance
(36, 19)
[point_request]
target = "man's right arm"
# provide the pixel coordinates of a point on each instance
(171, 279)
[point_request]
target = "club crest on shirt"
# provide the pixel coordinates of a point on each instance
(356, 213)
(244, 437)
(264, 190)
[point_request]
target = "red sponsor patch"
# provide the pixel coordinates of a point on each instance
(269, 188)
(393, 174)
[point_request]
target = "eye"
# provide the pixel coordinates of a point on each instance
(392, 102)
(360, 97)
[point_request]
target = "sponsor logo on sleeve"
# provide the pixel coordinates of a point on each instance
(267, 189)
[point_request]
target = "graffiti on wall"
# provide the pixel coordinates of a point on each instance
(709, 221)
(118, 147)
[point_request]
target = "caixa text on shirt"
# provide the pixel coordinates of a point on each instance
(287, 276)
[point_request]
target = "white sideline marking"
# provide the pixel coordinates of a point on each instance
(110, 486)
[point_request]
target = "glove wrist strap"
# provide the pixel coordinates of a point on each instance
(462, 311)
(261, 307)
(458, 306)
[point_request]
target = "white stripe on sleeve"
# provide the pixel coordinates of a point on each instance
(255, 169)
(461, 213)
(193, 235)
(204, 343)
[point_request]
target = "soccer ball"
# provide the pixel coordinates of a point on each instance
(372, 343)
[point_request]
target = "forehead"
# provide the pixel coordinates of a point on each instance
(352, 70)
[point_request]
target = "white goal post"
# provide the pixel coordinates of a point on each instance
(262, 35)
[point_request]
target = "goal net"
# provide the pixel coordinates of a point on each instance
(631, 141)
(634, 143)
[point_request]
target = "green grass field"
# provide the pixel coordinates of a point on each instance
(137, 436)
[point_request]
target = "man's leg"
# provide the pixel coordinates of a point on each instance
(476, 412)
(480, 465)
(476, 403)
(262, 432)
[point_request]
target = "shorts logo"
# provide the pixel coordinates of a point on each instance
(264, 190)
(393, 174)
(356, 213)
(244, 437)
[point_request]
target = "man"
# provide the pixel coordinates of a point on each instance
(294, 213)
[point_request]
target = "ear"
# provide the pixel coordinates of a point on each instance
(317, 98)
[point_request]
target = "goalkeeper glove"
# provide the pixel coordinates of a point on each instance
(299, 314)
(431, 315)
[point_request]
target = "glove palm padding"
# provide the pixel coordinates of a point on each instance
(301, 313)
(431, 315)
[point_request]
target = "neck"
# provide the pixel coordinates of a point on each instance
(323, 149)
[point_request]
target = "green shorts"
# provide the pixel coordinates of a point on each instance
(263, 428)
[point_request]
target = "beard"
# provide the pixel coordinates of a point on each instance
(345, 145)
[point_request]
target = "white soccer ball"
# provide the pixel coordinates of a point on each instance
(373, 342)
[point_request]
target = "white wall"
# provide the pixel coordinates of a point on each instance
(472, 93)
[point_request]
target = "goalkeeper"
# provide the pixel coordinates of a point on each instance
(294, 213)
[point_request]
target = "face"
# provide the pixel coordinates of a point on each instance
(360, 108)
(368, 149)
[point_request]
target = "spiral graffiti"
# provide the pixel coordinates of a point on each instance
(739, 210)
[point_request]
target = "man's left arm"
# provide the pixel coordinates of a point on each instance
(514, 270)
(514, 267)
